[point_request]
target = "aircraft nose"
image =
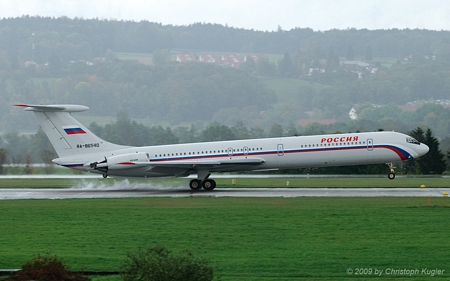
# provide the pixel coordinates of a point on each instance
(423, 149)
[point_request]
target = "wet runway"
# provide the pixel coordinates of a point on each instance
(9, 194)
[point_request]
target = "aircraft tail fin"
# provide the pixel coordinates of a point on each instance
(68, 136)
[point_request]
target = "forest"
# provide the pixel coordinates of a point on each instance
(74, 39)
(299, 74)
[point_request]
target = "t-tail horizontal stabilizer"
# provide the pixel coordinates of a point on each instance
(68, 136)
(53, 108)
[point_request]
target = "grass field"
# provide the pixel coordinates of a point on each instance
(312, 182)
(245, 238)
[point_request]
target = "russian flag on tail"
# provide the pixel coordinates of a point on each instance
(73, 130)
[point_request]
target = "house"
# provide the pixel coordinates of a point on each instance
(354, 65)
(208, 58)
(225, 59)
(186, 58)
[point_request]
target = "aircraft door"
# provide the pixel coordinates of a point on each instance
(280, 149)
(369, 144)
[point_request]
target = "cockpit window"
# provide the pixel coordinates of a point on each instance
(412, 140)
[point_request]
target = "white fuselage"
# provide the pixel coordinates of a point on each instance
(276, 153)
(79, 148)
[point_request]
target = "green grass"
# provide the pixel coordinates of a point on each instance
(246, 238)
(35, 183)
(289, 87)
(145, 58)
(313, 182)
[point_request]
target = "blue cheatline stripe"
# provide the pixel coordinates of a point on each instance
(72, 165)
(403, 154)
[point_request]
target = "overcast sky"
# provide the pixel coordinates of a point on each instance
(264, 15)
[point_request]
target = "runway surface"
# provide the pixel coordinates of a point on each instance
(9, 194)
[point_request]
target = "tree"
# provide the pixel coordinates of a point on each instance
(332, 58)
(217, 132)
(291, 130)
(160, 57)
(240, 131)
(28, 169)
(96, 128)
(249, 65)
(434, 161)
(125, 131)
(369, 55)
(3, 154)
(43, 148)
(285, 67)
(110, 55)
(350, 53)
(159, 135)
(46, 268)
(158, 263)
(186, 134)
(17, 146)
(412, 166)
(265, 68)
(47, 156)
(276, 131)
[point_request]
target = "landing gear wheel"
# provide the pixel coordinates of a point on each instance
(391, 175)
(105, 176)
(195, 184)
(209, 185)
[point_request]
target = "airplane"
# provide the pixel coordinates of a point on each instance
(78, 148)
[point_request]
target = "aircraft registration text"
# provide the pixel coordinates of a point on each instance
(88, 145)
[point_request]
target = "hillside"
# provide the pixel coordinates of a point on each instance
(283, 77)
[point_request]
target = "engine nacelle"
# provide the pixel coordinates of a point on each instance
(122, 161)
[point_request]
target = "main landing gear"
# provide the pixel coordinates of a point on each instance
(202, 181)
(391, 175)
(207, 184)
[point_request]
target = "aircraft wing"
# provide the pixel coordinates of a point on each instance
(186, 167)
(202, 163)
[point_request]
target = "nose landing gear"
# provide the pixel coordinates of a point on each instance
(391, 175)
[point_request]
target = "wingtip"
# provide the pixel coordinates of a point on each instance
(21, 104)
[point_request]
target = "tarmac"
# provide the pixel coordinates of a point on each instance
(82, 193)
